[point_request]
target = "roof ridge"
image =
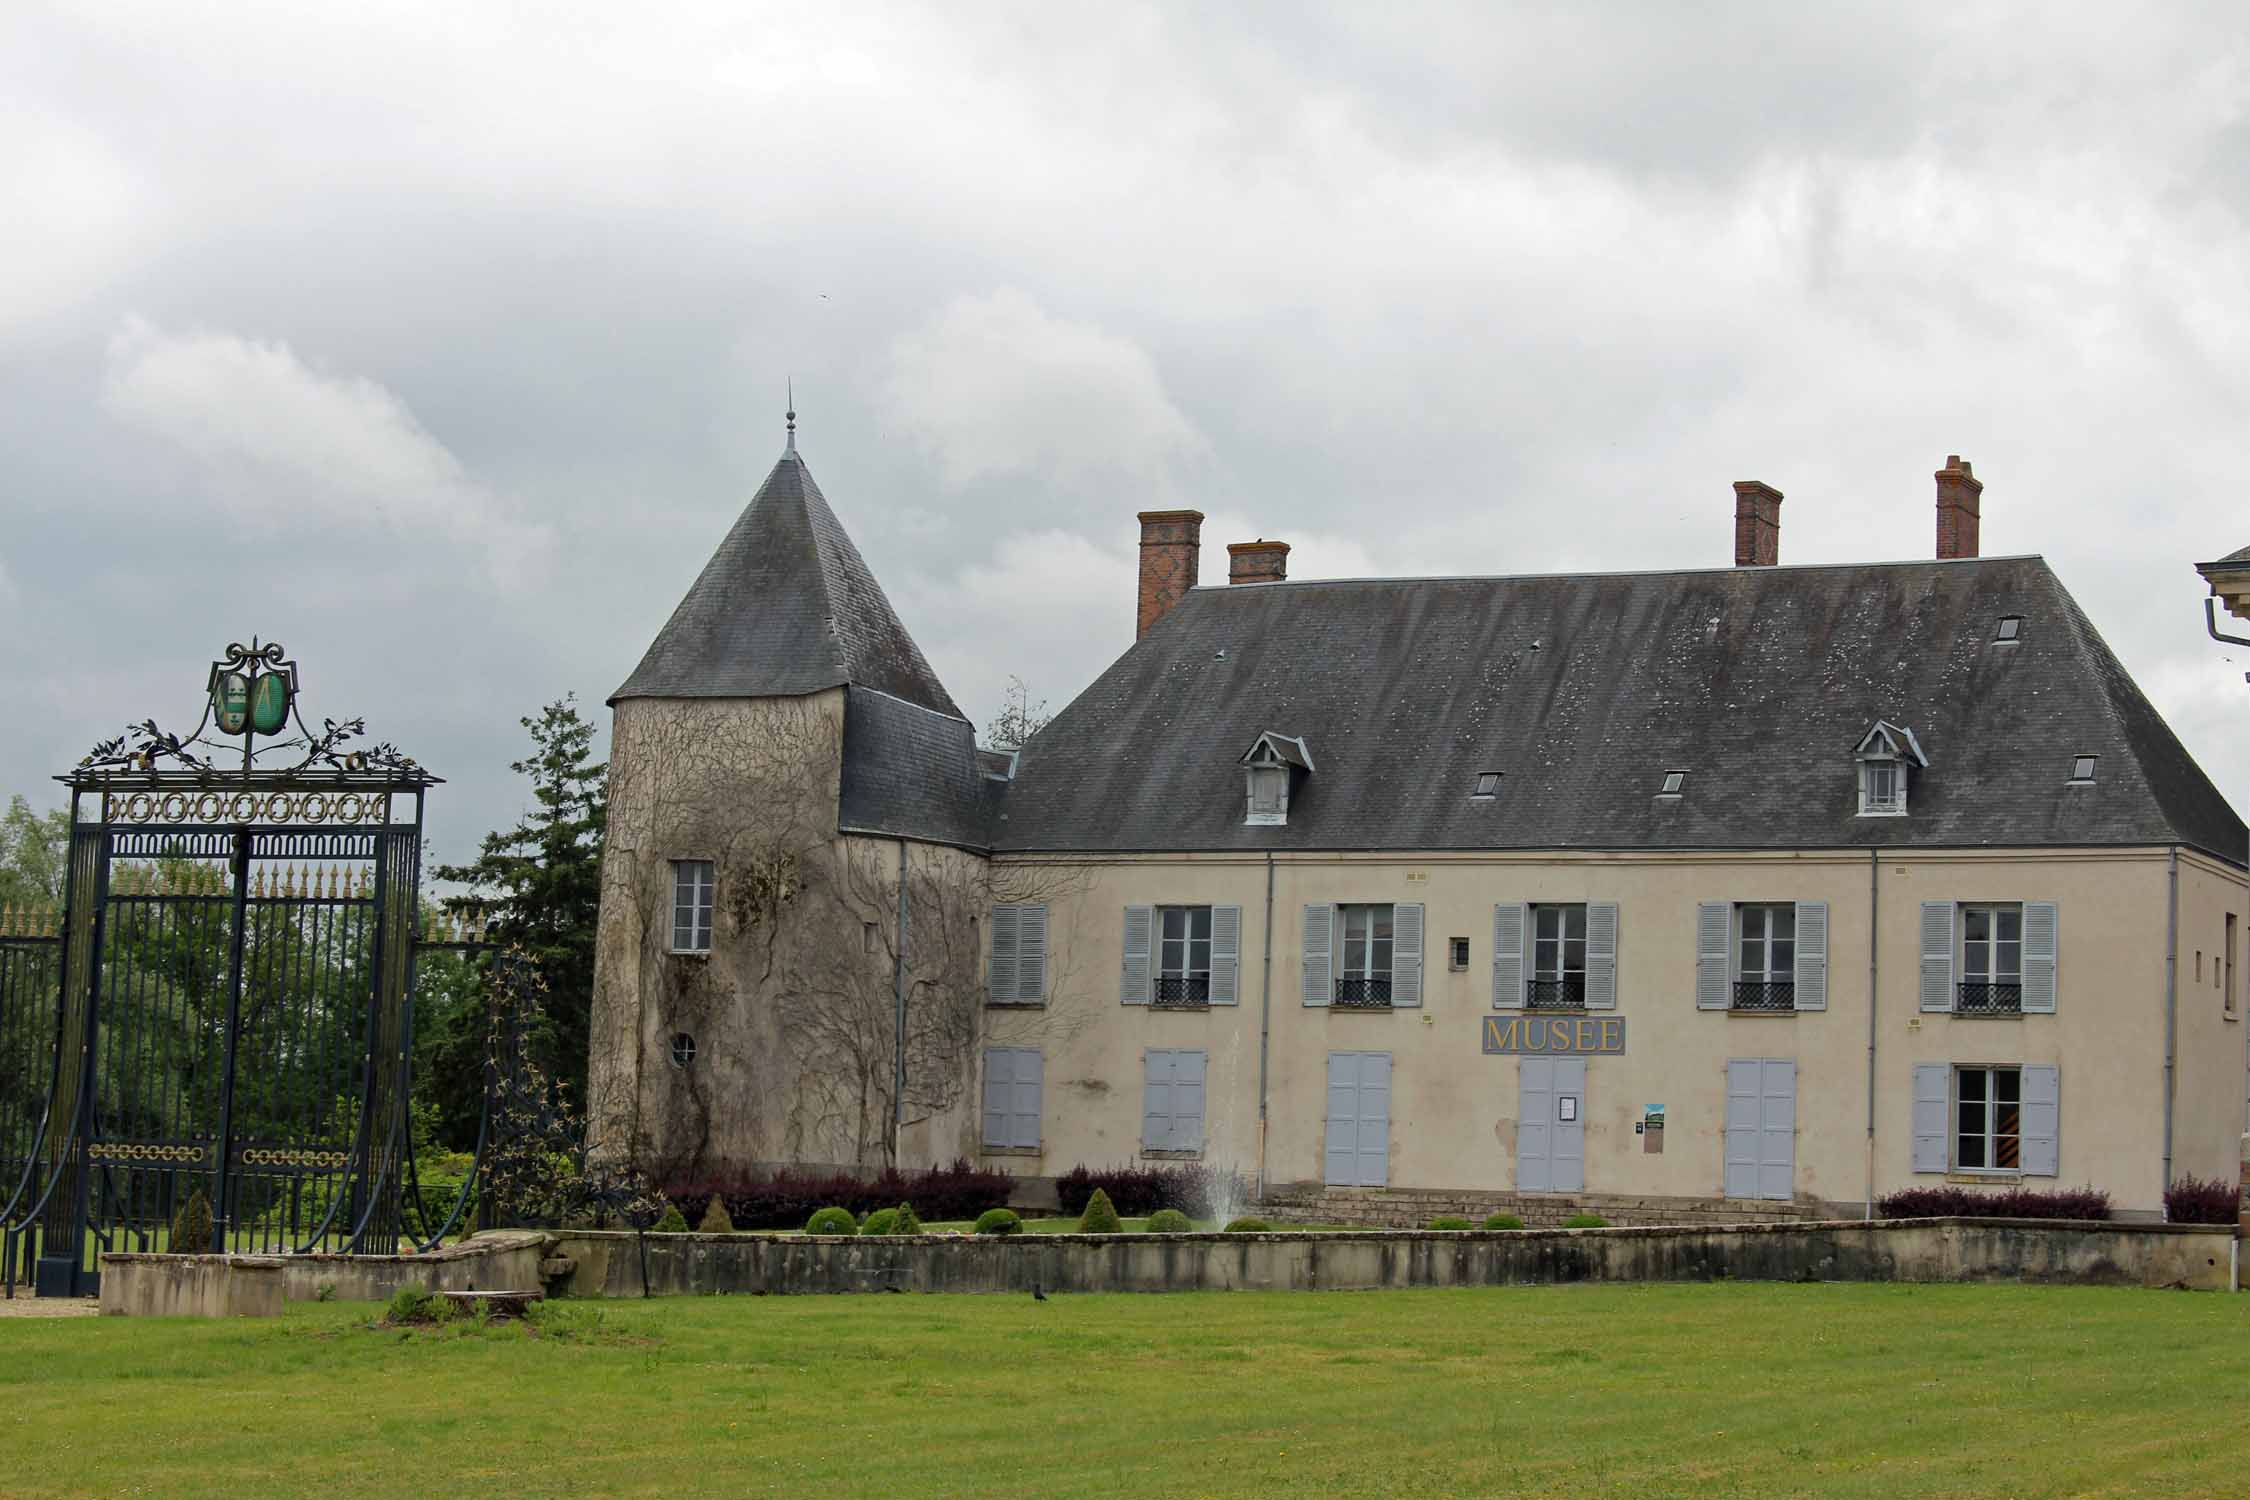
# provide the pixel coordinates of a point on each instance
(1896, 562)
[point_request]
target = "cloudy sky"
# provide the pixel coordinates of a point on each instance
(443, 342)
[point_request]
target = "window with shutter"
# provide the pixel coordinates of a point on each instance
(1226, 954)
(1320, 930)
(2042, 935)
(1601, 955)
(1367, 951)
(1172, 1099)
(1713, 921)
(1406, 954)
(1558, 958)
(1183, 956)
(1137, 981)
(1937, 955)
(1000, 973)
(1013, 1081)
(1811, 956)
(1932, 1083)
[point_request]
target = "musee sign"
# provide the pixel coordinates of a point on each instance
(1554, 1036)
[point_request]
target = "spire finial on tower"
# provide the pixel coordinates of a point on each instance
(792, 414)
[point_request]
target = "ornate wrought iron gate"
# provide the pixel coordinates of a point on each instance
(236, 964)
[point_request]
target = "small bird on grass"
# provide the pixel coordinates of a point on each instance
(1036, 1294)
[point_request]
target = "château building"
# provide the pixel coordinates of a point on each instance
(1746, 890)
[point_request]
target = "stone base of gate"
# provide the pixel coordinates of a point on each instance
(232, 1286)
(191, 1286)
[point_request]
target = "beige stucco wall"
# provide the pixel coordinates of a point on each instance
(1454, 1109)
(2208, 1107)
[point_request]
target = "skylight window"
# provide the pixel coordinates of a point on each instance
(2082, 770)
(2011, 628)
(1488, 784)
(1674, 781)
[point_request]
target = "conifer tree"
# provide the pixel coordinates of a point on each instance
(542, 880)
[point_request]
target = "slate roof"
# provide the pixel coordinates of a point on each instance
(910, 772)
(785, 606)
(1583, 690)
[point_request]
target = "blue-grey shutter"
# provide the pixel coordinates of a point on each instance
(2042, 933)
(1000, 983)
(1025, 1083)
(1134, 987)
(1406, 953)
(1937, 955)
(1509, 919)
(1226, 954)
(1812, 955)
(2042, 1117)
(998, 1065)
(1739, 1153)
(1156, 1099)
(1933, 1086)
(1601, 955)
(1187, 1100)
(1031, 954)
(1320, 968)
(1714, 928)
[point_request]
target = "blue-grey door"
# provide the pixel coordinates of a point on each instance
(1761, 1145)
(1551, 1125)
(1359, 1119)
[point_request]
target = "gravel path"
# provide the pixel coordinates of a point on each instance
(21, 1306)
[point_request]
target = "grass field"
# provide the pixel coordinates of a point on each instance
(1646, 1391)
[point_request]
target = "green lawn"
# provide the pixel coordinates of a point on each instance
(1738, 1390)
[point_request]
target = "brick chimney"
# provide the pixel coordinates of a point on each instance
(1260, 561)
(1957, 508)
(1171, 546)
(1757, 524)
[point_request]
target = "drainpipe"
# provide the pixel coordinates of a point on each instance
(1265, 1026)
(898, 1001)
(1874, 929)
(2171, 1001)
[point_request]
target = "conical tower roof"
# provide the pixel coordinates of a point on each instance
(785, 606)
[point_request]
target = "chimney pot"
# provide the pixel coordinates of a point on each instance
(1260, 561)
(1171, 549)
(1959, 509)
(1757, 524)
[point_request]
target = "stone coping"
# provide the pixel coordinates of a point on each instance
(488, 1242)
(1644, 1231)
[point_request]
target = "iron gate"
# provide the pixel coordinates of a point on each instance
(235, 964)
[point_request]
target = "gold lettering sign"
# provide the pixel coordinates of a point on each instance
(1554, 1036)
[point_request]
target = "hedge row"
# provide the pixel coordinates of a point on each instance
(787, 1198)
(2016, 1203)
(2195, 1200)
(1136, 1192)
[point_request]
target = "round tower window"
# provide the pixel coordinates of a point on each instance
(683, 1049)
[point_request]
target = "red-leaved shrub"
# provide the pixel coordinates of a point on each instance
(2197, 1200)
(785, 1199)
(2013, 1203)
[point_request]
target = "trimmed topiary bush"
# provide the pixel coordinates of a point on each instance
(672, 1221)
(1248, 1225)
(1170, 1221)
(906, 1222)
(1448, 1221)
(191, 1226)
(1100, 1217)
(2192, 1200)
(881, 1221)
(998, 1221)
(715, 1220)
(1585, 1221)
(1504, 1221)
(831, 1221)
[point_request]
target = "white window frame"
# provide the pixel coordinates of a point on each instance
(1561, 911)
(1765, 912)
(1993, 912)
(1364, 913)
(1872, 806)
(700, 904)
(1990, 1136)
(1161, 960)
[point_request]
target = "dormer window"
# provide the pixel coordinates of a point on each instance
(1488, 784)
(1885, 755)
(1272, 765)
(1882, 789)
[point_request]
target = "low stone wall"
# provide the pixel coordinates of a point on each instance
(1920, 1250)
(191, 1286)
(1413, 1208)
(238, 1285)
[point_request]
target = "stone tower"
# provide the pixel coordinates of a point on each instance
(793, 872)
